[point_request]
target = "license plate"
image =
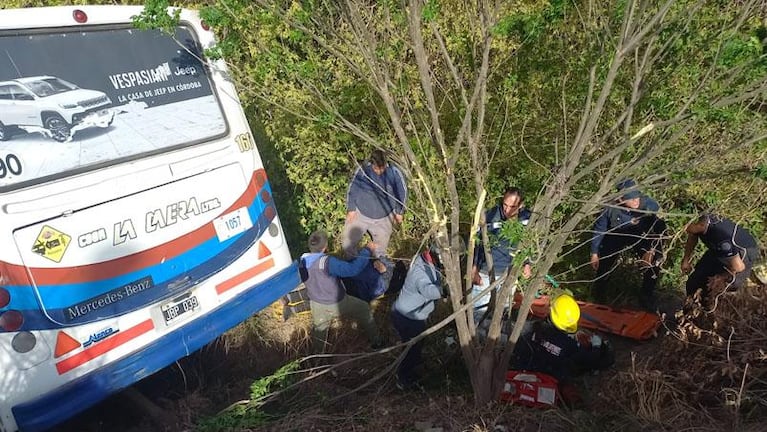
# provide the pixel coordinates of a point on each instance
(231, 224)
(179, 308)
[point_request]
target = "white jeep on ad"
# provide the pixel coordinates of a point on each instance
(51, 106)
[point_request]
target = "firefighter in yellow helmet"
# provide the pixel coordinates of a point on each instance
(550, 346)
(565, 313)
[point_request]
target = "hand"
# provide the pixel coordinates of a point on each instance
(686, 266)
(527, 271)
(648, 257)
(398, 218)
(594, 261)
(476, 279)
(350, 216)
(583, 338)
(379, 266)
(371, 247)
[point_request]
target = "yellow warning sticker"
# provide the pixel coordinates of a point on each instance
(51, 243)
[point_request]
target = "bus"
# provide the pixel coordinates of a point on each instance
(136, 218)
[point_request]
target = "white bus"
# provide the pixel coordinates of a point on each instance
(137, 220)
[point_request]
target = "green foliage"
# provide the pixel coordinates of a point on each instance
(531, 25)
(431, 10)
(513, 231)
(264, 386)
(155, 16)
(251, 414)
(761, 172)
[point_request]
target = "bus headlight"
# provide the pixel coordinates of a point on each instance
(24, 342)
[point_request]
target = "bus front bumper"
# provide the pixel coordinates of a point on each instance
(76, 396)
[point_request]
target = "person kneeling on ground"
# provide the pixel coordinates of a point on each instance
(732, 251)
(321, 274)
(551, 346)
(415, 303)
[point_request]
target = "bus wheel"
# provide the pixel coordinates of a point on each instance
(58, 128)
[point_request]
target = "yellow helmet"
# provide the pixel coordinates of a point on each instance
(565, 313)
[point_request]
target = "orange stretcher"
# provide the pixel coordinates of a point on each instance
(630, 323)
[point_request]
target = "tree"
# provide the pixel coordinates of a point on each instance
(445, 85)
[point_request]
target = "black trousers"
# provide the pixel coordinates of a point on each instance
(709, 265)
(408, 329)
(645, 236)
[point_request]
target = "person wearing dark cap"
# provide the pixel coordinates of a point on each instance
(321, 274)
(732, 251)
(632, 224)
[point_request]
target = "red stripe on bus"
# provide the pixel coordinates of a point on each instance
(104, 347)
(19, 275)
(242, 277)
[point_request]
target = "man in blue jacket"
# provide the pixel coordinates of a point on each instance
(416, 301)
(376, 200)
(321, 274)
(501, 250)
(631, 224)
(372, 282)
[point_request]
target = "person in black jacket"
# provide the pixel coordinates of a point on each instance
(732, 251)
(632, 224)
(550, 346)
(502, 250)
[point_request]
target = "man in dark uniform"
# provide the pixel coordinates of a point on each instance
(502, 250)
(732, 251)
(632, 224)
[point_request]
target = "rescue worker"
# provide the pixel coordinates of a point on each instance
(732, 251)
(321, 274)
(416, 301)
(374, 203)
(501, 250)
(550, 346)
(631, 224)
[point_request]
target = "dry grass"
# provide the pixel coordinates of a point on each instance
(708, 373)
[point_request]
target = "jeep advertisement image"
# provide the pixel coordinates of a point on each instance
(72, 99)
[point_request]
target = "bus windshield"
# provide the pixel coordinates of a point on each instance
(103, 96)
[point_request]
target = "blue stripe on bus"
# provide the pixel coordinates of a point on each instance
(64, 295)
(196, 265)
(84, 392)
